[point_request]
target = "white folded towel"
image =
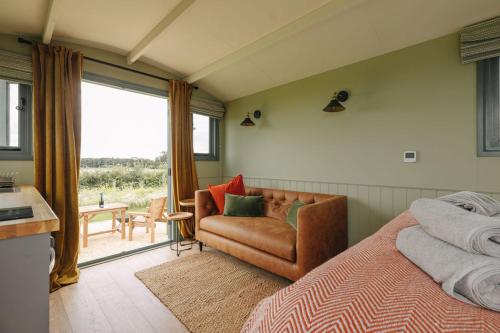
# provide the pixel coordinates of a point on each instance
(474, 202)
(471, 278)
(469, 231)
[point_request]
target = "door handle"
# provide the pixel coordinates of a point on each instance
(23, 103)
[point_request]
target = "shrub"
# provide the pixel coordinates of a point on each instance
(122, 177)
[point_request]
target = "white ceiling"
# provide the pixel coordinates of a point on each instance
(230, 33)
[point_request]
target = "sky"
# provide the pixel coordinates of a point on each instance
(123, 124)
(13, 115)
(9, 115)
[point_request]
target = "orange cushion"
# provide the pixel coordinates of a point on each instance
(234, 186)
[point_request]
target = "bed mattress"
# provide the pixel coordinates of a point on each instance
(371, 287)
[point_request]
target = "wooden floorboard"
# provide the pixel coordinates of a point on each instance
(109, 298)
(83, 310)
(59, 321)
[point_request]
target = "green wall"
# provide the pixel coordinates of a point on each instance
(209, 172)
(419, 98)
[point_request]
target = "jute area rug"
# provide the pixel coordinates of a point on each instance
(210, 291)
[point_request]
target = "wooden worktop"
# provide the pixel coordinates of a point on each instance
(43, 220)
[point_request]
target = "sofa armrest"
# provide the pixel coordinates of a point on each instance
(321, 232)
(203, 206)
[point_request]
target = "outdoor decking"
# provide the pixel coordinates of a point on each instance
(107, 244)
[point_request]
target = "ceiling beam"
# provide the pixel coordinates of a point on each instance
(333, 7)
(141, 47)
(50, 23)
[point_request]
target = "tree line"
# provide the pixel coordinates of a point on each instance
(133, 162)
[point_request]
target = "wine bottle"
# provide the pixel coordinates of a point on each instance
(101, 201)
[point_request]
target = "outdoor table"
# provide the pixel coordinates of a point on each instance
(88, 212)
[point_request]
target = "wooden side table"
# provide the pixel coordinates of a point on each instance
(189, 203)
(180, 218)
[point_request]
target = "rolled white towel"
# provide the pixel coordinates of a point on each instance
(474, 202)
(471, 278)
(469, 231)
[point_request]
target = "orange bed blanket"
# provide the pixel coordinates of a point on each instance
(371, 287)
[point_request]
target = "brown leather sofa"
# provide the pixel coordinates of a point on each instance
(269, 242)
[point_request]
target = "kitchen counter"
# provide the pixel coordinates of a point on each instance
(44, 220)
(24, 263)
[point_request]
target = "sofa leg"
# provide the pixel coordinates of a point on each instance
(201, 246)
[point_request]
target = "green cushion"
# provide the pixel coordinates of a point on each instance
(291, 218)
(243, 206)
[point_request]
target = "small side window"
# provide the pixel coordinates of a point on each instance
(15, 121)
(205, 138)
(488, 107)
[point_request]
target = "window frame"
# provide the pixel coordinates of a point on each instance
(121, 84)
(24, 152)
(213, 154)
(488, 108)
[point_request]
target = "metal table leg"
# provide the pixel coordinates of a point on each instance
(178, 242)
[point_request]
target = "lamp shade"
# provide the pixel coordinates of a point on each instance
(247, 121)
(334, 106)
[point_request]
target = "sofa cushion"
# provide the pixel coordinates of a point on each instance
(264, 233)
(234, 186)
(291, 218)
(243, 206)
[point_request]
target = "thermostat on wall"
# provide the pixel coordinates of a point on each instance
(410, 156)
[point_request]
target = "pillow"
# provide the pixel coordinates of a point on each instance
(244, 206)
(291, 218)
(234, 186)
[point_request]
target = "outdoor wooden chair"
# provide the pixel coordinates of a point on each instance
(147, 219)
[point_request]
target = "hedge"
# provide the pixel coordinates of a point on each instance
(121, 177)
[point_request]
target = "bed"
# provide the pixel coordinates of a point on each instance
(371, 287)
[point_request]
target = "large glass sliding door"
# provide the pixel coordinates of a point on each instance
(124, 168)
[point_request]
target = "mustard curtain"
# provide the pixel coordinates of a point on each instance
(184, 177)
(57, 74)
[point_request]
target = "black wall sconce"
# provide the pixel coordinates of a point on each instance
(334, 105)
(248, 121)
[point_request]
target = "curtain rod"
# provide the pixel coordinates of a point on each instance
(26, 41)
